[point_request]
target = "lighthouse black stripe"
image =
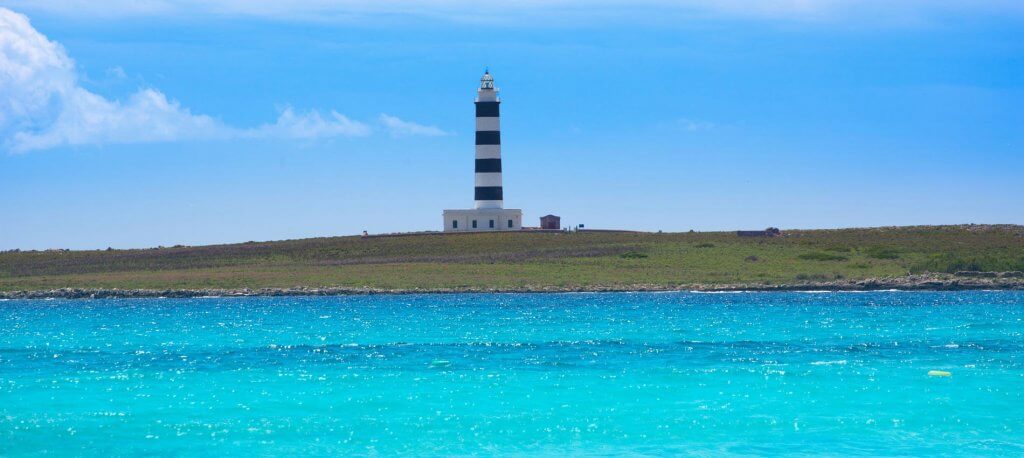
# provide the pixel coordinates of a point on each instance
(488, 137)
(488, 193)
(488, 165)
(487, 109)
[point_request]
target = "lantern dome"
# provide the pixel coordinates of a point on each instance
(487, 82)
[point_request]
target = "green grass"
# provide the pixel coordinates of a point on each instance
(820, 256)
(529, 260)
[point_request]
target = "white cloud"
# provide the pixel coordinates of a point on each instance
(545, 11)
(32, 71)
(399, 128)
(43, 106)
(147, 116)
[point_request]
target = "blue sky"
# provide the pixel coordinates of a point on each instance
(133, 124)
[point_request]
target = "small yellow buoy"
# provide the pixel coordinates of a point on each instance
(939, 374)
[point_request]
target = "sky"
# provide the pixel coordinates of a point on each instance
(132, 124)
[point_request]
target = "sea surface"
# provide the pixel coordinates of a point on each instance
(516, 374)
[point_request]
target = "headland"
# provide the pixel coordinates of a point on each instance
(905, 258)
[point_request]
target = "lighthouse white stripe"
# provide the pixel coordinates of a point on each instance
(482, 204)
(488, 151)
(488, 179)
(488, 123)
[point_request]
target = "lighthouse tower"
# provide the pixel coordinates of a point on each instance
(488, 145)
(489, 213)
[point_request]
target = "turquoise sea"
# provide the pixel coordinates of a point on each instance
(516, 374)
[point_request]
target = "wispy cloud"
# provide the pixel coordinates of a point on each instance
(308, 125)
(116, 73)
(689, 125)
(692, 125)
(476, 11)
(42, 106)
(399, 128)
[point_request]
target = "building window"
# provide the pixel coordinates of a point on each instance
(492, 224)
(510, 223)
(455, 224)
(474, 224)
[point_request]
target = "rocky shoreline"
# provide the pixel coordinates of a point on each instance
(931, 282)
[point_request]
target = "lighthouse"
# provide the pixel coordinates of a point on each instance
(488, 193)
(489, 212)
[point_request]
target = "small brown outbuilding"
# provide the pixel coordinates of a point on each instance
(550, 222)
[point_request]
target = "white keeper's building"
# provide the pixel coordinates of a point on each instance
(489, 213)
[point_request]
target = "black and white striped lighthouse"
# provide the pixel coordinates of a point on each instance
(489, 212)
(488, 192)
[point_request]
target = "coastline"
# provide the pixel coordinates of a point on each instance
(932, 282)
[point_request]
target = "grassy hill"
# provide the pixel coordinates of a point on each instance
(529, 260)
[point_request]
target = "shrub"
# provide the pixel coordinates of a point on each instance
(879, 252)
(632, 255)
(704, 245)
(952, 263)
(820, 256)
